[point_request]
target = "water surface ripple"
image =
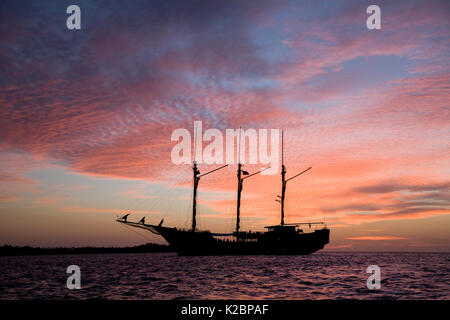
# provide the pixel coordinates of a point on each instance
(168, 276)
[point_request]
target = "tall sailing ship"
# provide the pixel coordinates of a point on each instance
(280, 239)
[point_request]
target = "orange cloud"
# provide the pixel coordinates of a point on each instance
(376, 238)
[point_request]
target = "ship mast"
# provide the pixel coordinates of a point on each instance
(241, 172)
(196, 179)
(240, 184)
(238, 205)
(283, 179)
(194, 199)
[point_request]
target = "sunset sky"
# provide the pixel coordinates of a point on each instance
(86, 118)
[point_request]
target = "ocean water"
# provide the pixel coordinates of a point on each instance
(168, 276)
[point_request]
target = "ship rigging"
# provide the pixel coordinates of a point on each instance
(282, 238)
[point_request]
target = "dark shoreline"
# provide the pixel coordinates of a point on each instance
(8, 250)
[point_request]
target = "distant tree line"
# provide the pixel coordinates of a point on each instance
(8, 250)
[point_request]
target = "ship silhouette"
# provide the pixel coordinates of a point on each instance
(281, 239)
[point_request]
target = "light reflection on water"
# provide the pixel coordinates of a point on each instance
(168, 276)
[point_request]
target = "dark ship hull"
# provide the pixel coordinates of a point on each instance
(282, 240)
